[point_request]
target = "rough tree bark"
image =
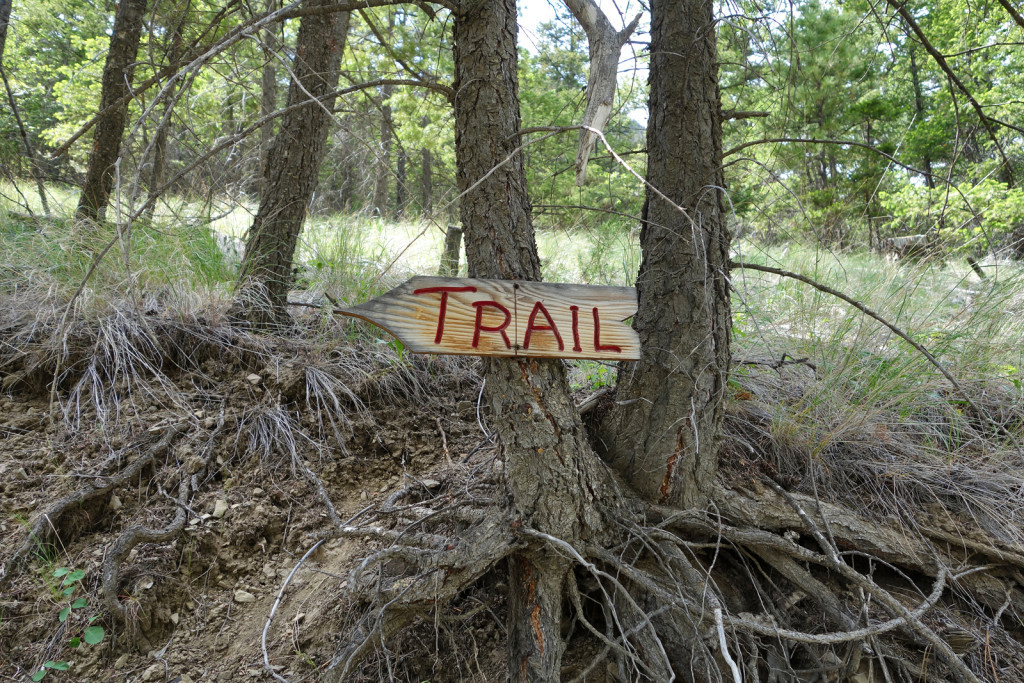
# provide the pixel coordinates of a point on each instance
(665, 435)
(293, 164)
(268, 90)
(553, 476)
(117, 80)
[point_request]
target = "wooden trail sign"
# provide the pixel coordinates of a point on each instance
(507, 318)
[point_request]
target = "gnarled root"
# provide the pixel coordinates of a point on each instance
(44, 527)
(779, 588)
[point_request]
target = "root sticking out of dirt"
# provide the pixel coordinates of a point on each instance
(294, 508)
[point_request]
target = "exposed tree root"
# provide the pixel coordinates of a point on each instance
(43, 529)
(188, 486)
(710, 595)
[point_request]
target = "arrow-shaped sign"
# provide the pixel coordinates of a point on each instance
(507, 318)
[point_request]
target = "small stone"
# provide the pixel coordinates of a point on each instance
(255, 673)
(257, 491)
(244, 596)
(220, 508)
(270, 571)
(153, 672)
(121, 661)
(363, 496)
(145, 584)
(209, 423)
(199, 414)
(384, 488)
(115, 503)
(185, 678)
(175, 618)
(431, 483)
(194, 521)
(253, 378)
(20, 473)
(225, 675)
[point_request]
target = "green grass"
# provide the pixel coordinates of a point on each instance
(973, 326)
(860, 415)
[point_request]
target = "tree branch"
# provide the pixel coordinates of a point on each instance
(738, 114)
(1013, 12)
(605, 46)
(986, 120)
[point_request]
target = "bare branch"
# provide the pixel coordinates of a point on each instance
(737, 114)
(605, 45)
(986, 120)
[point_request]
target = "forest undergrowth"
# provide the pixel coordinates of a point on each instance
(247, 504)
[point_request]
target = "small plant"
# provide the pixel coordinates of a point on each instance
(70, 582)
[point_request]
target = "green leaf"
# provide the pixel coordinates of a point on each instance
(93, 634)
(63, 614)
(68, 591)
(79, 603)
(57, 666)
(74, 642)
(38, 676)
(76, 575)
(61, 572)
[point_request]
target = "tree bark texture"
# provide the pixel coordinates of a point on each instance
(665, 435)
(5, 20)
(553, 477)
(292, 168)
(117, 79)
(268, 90)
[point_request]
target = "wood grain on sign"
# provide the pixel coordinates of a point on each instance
(505, 318)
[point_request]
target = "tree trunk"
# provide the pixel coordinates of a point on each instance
(665, 435)
(291, 171)
(380, 181)
(426, 175)
(268, 90)
(383, 172)
(5, 19)
(400, 174)
(117, 79)
(553, 477)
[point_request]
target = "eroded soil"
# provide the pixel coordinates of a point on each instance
(198, 603)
